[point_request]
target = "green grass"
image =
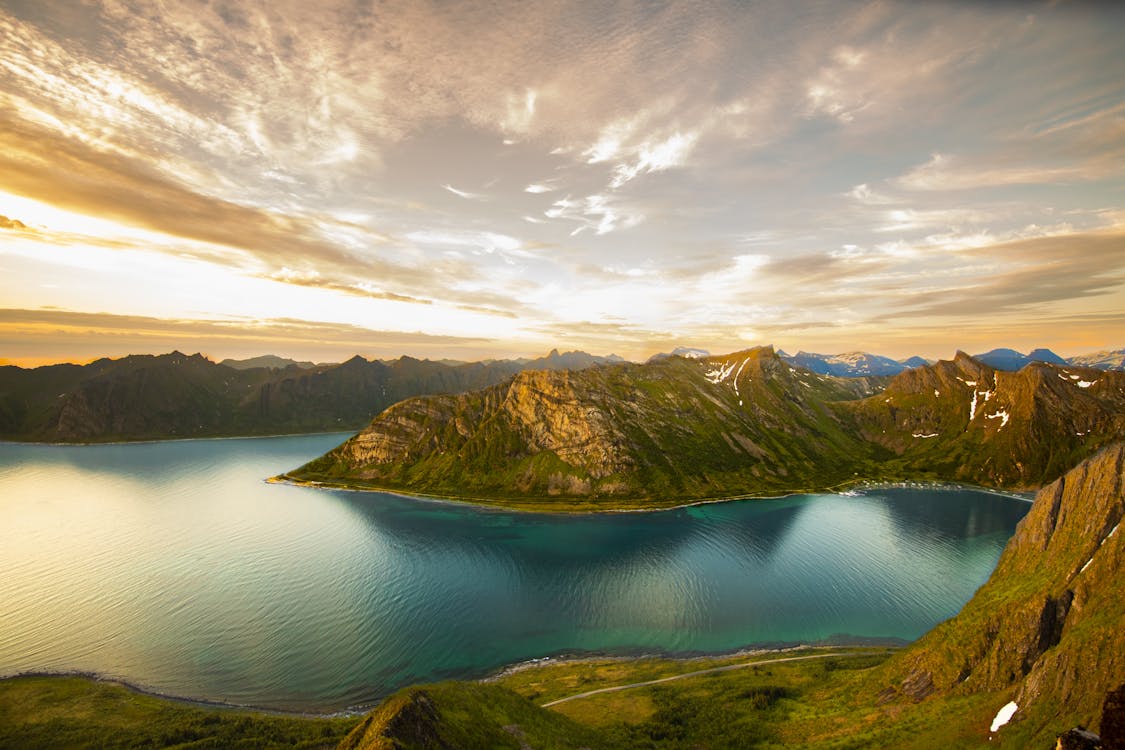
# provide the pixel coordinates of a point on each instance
(828, 703)
(466, 715)
(77, 712)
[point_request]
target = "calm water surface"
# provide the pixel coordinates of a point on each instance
(175, 567)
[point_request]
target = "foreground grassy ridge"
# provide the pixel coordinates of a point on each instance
(822, 704)
(466, 715)
(819, 704)
(77, 712)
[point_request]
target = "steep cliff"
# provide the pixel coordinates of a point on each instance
(747, 423)
(963, 420)
(1046, 631)
(674, 429)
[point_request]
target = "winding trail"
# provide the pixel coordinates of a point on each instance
(726, 668)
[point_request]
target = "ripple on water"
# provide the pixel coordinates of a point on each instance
(174, 566)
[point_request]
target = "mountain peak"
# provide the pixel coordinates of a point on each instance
(1045, 355)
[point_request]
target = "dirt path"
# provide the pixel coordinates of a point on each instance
(727, 668)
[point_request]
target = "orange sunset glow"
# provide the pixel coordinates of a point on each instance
(466, 181)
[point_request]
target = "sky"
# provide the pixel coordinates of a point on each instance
(472, 180)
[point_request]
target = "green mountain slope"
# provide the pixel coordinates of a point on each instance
(744, 424)
(677, 428)
(1046, 630)
(965, 421)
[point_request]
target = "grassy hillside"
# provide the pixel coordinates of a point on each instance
(76, 712)
(465, 715)
(651, 434)
(748, 423)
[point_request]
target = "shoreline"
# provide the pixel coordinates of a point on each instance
(562, 659)
(156, 441)
(185, 701)
(533, 505)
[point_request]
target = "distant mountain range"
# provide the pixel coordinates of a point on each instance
(863, 364)
(1104, 360)
(174, 395)
(269, 361)
(746, 423)
(851, 364)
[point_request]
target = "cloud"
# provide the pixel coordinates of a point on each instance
(463, 193)
(71, 175)
(601, 213)
(37, 336)
(1031, 275)
(314, 250)
(864, 195)
(943, 172)
(16, 224)
(304, 143)
(656, 157)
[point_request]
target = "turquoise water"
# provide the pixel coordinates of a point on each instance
(175, 567)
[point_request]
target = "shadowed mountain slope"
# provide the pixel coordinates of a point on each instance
(175, 395)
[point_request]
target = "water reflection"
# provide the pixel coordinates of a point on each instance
(175, 566)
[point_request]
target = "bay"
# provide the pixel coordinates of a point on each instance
(175, 567)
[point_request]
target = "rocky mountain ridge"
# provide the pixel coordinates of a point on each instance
(670, 429)
(176, 395)
(745, 423)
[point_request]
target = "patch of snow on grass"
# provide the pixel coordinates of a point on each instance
(719, 374)
(1004, 715)
(926, 435)
(1085, 383)
(937, 392)
(736, 378)
(973, 406)
(999, 415)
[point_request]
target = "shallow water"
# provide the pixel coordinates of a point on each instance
(175, 567)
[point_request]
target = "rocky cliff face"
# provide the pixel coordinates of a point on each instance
(1046, 630)
(964, 420)
(676, 428)
(744, 423)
